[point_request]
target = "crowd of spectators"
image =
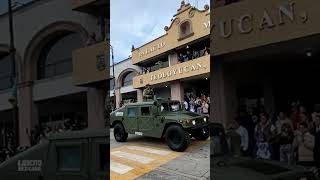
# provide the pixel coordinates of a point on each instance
(290, 136)
(192, 53)
(197, 104)
(184, 55)
(36, 135)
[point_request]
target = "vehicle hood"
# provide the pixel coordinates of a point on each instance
(182, 115)
(29, 162)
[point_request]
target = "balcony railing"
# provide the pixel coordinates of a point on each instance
(91, 64)
(195, 67)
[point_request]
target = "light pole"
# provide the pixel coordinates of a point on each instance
(13, 98)
(114, 77)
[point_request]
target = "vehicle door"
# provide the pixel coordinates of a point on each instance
(100, 157)
(68, 160)
(146, 123)
(131, 120)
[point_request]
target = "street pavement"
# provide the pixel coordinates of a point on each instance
(143, 158)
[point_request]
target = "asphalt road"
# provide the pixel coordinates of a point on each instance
(144, 158)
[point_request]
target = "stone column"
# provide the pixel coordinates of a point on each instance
(177, 91)
(27, 114)
(95, 103)
(223, 92)
(118, 97)
(139, 95)
(173, 59)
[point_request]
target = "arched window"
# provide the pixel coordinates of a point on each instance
(5, 71)
(127, 79)
(185, 29)
(56, 57)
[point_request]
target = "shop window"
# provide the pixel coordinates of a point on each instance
(5, 72)
(69, 158)
(132, 112)
(185, 30)
(127, 79)
(56, 57)
(145, 111)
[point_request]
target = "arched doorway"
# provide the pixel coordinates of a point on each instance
(48, 59)
(126, 92)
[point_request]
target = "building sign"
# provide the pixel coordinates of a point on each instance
(192, 68)
(170, 73)
(152, 49)
(29, 165)
(100, 63)
(266, 20)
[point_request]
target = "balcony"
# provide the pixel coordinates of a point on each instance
(93, 7)
(183, 70)
(91, 65)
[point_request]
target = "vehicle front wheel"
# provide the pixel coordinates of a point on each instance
(119, 133)
(177, 138)
(201, 134)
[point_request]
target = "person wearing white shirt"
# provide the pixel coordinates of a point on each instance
(243, 136)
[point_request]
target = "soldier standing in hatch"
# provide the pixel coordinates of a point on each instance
(148, 93)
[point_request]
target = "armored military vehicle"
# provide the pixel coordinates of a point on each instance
(75, 155)
(227, 164)
(158, 118)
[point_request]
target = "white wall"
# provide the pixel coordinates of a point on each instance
(123, 65)
(127, 89)
(120, 67)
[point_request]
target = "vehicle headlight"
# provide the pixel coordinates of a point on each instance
(194, 122)
(205, 119)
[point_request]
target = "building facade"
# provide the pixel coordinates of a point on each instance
(61, 68)
(121, 84)
(265, 53)
(177, 62)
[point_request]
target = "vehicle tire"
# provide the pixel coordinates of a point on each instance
(201, 134)
(120, 133)
(177, 138)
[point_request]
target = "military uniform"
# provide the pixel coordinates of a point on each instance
(148, 93)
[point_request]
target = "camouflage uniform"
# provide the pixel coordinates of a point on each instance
(148, 93)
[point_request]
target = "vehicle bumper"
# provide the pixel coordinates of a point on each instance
(200, 126)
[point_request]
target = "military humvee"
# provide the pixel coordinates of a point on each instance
(159, 119)
(76, 155)
(226, 164)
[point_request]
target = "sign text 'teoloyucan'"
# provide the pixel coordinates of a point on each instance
(244, 24)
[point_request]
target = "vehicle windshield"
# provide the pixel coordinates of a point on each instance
(173, 106)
